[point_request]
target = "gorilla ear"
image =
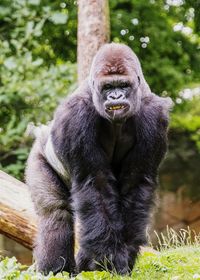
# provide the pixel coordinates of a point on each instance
(142, 84)
(139, 81)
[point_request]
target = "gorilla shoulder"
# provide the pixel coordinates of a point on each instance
(74, 105)
(156, 107)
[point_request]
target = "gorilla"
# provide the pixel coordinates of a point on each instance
(97, 163)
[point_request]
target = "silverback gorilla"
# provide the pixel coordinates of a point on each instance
(97, 162)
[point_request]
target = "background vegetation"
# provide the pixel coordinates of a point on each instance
(38, 65)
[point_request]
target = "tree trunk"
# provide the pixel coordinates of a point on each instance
(93, 32)
(17, 217)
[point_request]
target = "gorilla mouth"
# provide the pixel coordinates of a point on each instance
(116, 107)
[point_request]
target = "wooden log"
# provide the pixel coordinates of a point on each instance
(18, 220)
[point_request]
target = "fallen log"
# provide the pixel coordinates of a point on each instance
(18, 220)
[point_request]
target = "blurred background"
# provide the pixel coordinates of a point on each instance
(38, 50)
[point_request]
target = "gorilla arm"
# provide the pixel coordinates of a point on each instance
(54, 248)
(138, 177)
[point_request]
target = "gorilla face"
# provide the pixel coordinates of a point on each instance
(116, 82)
(119, 98)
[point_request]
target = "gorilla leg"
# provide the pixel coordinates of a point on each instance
(136, 204)
(101, 243)
(54, 250)
(54, 246)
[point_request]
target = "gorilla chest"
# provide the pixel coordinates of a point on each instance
(117, 140)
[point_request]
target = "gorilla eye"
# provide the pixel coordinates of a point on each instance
(124, 85)
(107, 87)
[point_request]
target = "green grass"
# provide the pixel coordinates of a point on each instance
(177, 259)
(178, 263)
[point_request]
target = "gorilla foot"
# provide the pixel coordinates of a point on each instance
(56, 266)
(117, 263)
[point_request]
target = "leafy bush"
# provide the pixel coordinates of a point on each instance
(47, 28)
(187, 119)
(29, 92)
(30, 85)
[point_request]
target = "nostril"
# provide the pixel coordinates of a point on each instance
(115, 96)
(112, 97)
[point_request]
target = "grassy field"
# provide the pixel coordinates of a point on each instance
(177, 259)
(178, 263)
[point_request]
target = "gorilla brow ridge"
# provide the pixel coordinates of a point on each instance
(116, 68)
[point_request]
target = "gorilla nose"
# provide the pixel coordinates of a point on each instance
(115, 96)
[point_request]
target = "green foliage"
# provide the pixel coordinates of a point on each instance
(47, 28)
(29, 92)
(188, 119)
(30, 85)
(177, 263)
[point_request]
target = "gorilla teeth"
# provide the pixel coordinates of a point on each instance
(117, 107)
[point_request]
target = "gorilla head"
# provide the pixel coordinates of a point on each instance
(117, 83)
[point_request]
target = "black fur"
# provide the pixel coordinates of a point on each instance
(112, 167)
